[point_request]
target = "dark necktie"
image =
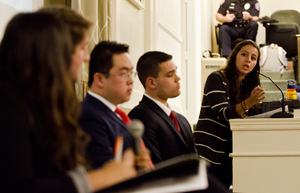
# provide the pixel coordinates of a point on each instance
(123, 116)
(172, 115)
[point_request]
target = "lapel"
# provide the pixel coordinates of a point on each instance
(154, 107)
(186, 132)
(103, 110)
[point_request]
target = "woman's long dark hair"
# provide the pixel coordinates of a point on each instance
(240, 91)
(35, 57)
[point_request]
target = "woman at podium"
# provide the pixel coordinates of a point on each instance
(232, 92)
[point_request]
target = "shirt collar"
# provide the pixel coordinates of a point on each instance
(111, 106)
(166, 109)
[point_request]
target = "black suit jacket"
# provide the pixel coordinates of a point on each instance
(161, 136)
(104, 127)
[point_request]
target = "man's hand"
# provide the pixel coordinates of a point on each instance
(229, 17)
(246, 15)
(143, 160)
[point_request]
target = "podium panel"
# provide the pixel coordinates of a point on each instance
(266, 174)
(266, 155)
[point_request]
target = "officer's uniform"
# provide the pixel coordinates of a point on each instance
(238, 28)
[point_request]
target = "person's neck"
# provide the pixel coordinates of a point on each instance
(154, 96)
(102, 94)
(241, 78)
(96, 91)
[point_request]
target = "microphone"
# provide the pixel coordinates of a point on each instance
(136, 130)
(282, 114)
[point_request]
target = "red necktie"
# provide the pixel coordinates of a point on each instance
(123, 116)
(172, 115)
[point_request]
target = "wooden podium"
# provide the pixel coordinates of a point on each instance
(266, 155)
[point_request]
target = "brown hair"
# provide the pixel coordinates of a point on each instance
(240, 91)
(35, 57)
(77, 25)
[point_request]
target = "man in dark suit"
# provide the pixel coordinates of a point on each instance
(167, 133)
(111, 83)
(164, 138)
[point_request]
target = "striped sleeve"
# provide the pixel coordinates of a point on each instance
(217, 98)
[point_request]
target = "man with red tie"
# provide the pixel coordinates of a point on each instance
(111, 83)
(167, 133)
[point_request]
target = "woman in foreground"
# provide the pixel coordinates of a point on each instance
(41, 143)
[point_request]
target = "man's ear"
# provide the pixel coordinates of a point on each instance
(151, 83)
(99, 79)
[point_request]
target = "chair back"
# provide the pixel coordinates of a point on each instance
(284, 32)
(287, 16)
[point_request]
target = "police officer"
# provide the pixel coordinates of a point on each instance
(239, 18)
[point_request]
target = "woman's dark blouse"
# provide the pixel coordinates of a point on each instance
(213, 136)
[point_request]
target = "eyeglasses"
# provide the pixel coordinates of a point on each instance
(125, 75)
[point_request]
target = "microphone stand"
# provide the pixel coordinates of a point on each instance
(282, 114)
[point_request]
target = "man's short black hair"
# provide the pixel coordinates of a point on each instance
(148, 65)
(101, 57)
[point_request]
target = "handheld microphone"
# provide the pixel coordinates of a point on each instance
(282, 114)
(136, 130)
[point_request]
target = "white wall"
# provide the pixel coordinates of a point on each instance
(198, 39)
(157, 27)
(206, 29)
(170, 37)
(8, 8)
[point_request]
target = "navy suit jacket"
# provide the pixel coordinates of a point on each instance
(161, 136)
(104, 127)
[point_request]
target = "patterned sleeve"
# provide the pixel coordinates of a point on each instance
(217, 98)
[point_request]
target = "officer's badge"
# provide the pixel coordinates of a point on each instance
(247, 6)
(222, 2)
(257, 6)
